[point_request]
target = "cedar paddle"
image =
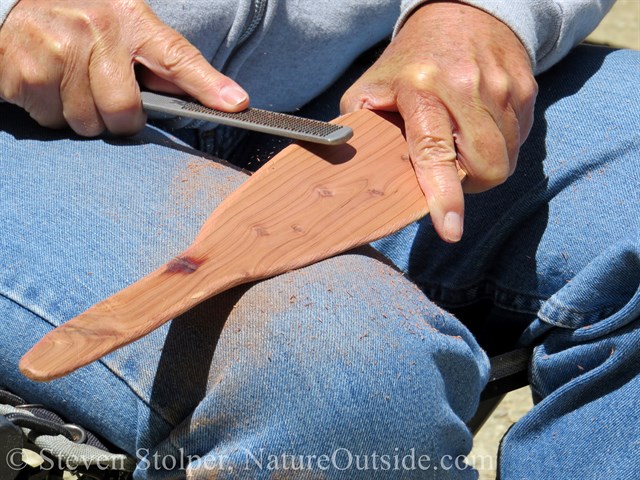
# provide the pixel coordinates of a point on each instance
(308, 203)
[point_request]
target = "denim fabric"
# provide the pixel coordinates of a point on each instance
(560, 242)
(343, 358)
(345, 369)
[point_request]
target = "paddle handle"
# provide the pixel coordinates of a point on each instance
(123, 318)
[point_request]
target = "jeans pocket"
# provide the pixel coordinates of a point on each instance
(603, 297)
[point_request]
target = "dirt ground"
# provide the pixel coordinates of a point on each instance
(620, 28)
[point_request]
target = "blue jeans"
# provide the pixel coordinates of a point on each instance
(347, 368)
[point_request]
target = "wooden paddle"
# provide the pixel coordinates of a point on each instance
(308, 203)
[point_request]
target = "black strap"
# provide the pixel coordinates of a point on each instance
(41, 426)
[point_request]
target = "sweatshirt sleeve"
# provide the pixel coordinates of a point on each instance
(5, 8)
(548, 29)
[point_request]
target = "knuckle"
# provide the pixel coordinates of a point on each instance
(351, 101)
(436, 160)
(442, 181)
(48, 118)
(500, 88)
(79, 111)
(347, 99)
(434, 151)
(432, 76)
(495, 173)
(35, 80)
(56, 48)
(83, 121)
(422, 76)
(50, 122)
(93, 19)
(530, 90)
(32, 75)
(120, 103)
(178, 54)
(466, 79)
(88, 128)
(11, 91)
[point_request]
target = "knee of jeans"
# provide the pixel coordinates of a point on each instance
(346, 354)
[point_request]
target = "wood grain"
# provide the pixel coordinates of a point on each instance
(306, 204)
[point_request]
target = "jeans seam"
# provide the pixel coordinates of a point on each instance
(37, 315)
(602, 311)
(485, 289)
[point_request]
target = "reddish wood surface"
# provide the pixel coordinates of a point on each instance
(306, 204)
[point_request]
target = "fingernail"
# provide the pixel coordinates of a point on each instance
(233, 95)
(452, 226)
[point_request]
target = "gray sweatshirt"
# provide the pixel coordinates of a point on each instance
(286, 52)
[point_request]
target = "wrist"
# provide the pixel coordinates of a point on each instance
(453, 24)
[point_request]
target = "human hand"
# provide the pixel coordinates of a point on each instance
(71, 62)
(463, 83)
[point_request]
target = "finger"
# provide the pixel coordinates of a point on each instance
(509, 100)
(79, 108)
(351, 101)
(45, 107)
(151, 81)
(432, 150)
(500, 100)
(509, 125)
(366, 93)
(523, 102)
(171, 57)
(482, 149)
(34, 89)
(115, 91)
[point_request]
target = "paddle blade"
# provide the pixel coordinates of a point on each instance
(314, 201)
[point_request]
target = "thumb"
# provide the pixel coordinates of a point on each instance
(368, 92)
